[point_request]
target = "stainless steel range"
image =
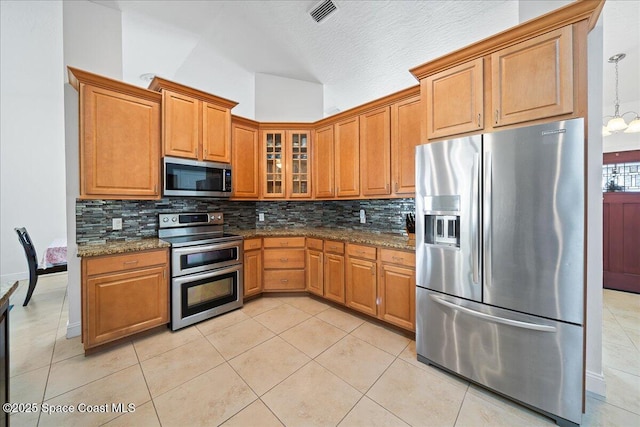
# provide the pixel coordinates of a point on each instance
(206, 266)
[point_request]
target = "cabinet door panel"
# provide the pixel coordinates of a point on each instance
(397, 296)
(361, 285)
(334, 277)
(124, 303)
(181, 122)
(120, 147)
(546, 60)
(216, 133)
(298, 164)
(323, 163)
(455, 100)
(252, 274)
(273, 164)
(244, 167)
(405, 136)
(347, 151)
(315, 273)
(375, 152)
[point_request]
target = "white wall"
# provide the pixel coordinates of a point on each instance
(32, 168)
(280, 99)
(529, 9)
(595, 382)
(93, 38)
(151, 46)
(92, 42)
(207, 70)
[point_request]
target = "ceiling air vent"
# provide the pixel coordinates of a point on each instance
(322, 10)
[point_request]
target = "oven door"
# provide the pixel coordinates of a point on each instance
(198, 297)
(195, 259)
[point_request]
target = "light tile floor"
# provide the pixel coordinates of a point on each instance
(291, 361)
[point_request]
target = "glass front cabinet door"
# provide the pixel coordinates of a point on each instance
(286, 164)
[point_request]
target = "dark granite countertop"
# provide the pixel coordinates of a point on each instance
(6, 290)
(111, 248)
(392, 241)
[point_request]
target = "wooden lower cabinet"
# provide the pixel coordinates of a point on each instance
(397, 296)
(361, 285)
(123, 295)
(397, 288)
(379, 282)
(252, 271)
(284, 264)
(334, 277)
(315, 272)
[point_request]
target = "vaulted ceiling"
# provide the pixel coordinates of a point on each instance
(366, 40)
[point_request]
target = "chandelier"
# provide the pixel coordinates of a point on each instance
(616, 122)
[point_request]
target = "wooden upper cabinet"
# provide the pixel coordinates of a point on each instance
(273, 164)
(246, 151)
(323, 163)
(181, 125)
(405, 136)
(347, 157)
(375, 152)
(454, 100)
(196, 125)
(216, 133)
(285, 164)
(533, 79)
(119, 141)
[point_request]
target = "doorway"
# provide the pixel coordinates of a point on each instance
(621, 220)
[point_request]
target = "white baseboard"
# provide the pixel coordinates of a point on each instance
(14, 276)
(74, 329)
(595, 383)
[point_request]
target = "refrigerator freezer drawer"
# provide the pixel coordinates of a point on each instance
(533, 360)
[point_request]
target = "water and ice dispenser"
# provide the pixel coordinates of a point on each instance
(442, 221)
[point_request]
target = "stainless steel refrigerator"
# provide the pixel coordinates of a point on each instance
(500, 251)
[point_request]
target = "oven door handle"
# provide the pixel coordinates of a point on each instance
(178, 281)
(186, 250)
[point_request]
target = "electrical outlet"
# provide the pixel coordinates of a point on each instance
(363, 217)
(261, 216)
(116, 223)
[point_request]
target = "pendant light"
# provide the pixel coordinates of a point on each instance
(616, 122)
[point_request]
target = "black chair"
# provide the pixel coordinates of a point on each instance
(32, 260)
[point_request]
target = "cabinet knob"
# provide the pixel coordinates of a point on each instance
(373, 270)
(479, 116)
(284, 259)
(497, 113)
(284, 280)
(396, 187)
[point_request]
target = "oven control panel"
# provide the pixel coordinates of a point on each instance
(190, 219)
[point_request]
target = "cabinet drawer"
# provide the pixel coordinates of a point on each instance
(314, 244)
(398, 257)
(334, 247)
(359, 251)
(110, 263)
(283, 258)
(284, 242)
(251, 244)
(283, 279)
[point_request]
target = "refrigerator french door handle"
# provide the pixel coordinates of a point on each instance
(492, 318)
(475, 219)
(488, 179)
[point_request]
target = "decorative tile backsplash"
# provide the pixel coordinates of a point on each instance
(140, 217)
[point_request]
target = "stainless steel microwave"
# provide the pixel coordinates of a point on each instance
(192, 178)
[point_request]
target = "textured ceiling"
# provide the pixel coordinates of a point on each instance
(368, 40)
